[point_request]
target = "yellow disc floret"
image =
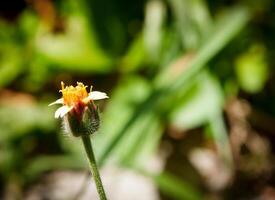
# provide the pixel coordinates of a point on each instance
(73, 95)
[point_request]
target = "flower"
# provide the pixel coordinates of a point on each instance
(76, 100)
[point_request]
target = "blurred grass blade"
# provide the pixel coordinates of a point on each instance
(219, 133)
(143, 147)
(130, 92)
(47, 163)
(193, 21)
(202, 17)
(226, 29)
(155, 13)
(189, 34)
(178, 189)
(194, 107)
(232, 24)
(135, 56)
(171, 185)
(26, 118)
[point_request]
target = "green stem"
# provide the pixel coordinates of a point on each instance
(91, 157)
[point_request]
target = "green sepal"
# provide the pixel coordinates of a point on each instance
(86, 124)
(91, 119)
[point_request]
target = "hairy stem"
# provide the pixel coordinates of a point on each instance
(91, 157)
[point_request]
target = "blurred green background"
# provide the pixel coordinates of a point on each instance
(192, 98)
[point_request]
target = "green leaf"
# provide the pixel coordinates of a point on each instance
(232, 24)
(42, 164)
(176, 188)
(201, 103)
(135, 55)
(219, 133)
(193, 21)
(227, 27)
(130, 92)
(76, 49)
(11, 64)
(252, 70)
(18, 120)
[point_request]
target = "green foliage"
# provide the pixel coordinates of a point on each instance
(203, 101)
(159, 65)
(141, 139)
(176, 188)
(251, 69)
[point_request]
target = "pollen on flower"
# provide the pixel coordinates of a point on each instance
(73, 95)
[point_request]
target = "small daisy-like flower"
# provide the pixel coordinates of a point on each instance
(78, 110)
(76, 98)
(81, 119)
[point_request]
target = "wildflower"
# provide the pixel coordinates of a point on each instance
(75, 98)
(81, 118)
(79, 111)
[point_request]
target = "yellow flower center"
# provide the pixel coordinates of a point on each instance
(73, 95)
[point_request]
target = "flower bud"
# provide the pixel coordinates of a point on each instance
(85, 123)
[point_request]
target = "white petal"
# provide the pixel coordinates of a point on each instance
(58, 101)
(60, 112)
(95, 95)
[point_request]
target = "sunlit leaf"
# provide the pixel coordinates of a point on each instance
(203, 101)
(252, 70)
(76, 49)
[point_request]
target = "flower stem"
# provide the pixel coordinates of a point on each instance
(91, 157)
